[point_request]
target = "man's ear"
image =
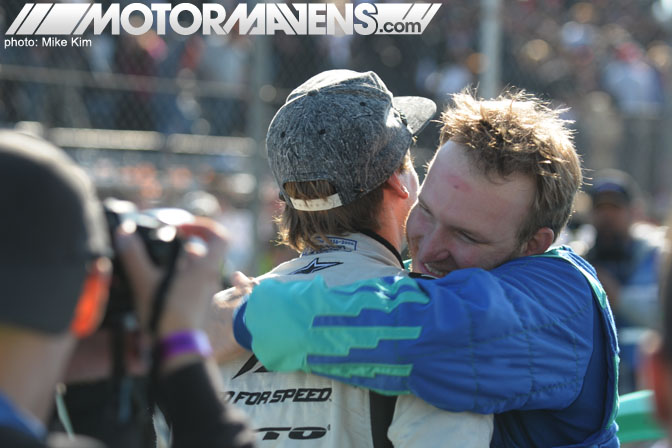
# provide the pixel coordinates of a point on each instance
(93, 299)
(395, 185)
(539, 242)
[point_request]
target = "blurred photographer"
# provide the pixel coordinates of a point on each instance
(55, 271)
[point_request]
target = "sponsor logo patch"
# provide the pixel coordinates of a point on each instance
(315, 266)
(337, 245)
(298, 395)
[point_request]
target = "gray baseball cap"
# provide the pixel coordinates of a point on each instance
(346, 128)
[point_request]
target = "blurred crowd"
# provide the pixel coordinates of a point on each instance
(609, 62)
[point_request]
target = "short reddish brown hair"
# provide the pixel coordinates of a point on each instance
(519, 133)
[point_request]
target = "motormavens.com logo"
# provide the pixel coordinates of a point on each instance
(63, 19)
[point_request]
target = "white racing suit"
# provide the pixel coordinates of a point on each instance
(302, 410)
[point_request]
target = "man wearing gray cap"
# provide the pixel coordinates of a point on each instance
(339, 151)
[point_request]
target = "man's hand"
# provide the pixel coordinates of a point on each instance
(195, 280)
(220, 321)
(242, 284)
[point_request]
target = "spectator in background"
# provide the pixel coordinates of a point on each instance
(55, 273)
(632, 81)
(637, 88)
(138, 55)
(226, 60)
(626, 259)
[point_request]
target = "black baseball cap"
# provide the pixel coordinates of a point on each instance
(612, 186)
(346, 128)
(52, 227)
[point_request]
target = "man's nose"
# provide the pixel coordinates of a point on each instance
(434, 244)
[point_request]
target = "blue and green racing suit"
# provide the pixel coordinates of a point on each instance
(531, 341)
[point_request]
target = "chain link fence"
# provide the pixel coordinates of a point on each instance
(180, 120)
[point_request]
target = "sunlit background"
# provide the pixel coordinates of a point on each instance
(180, 120)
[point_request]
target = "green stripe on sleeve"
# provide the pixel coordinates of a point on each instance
(288, 350)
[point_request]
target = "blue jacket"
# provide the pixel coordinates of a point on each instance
(532, 341)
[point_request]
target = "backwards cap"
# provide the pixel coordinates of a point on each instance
(346, 128)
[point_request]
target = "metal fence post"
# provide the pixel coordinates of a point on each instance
(257, 122)
(490, 48)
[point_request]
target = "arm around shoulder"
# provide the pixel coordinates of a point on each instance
(517, 337)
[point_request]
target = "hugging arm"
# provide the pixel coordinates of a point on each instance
(516, 337)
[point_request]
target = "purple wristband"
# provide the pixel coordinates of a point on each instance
(181, 342)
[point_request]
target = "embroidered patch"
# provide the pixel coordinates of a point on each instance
(337, 245)
(314, 266)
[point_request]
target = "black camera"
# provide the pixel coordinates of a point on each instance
(158, 231)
